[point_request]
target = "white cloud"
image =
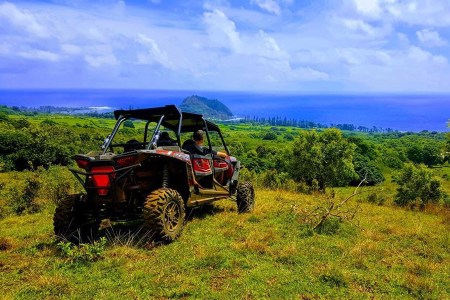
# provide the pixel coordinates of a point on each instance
(97, 61)
(309, 74)
(152, 54)
(270, 6)
(40, 55)
(430, 38)
(419, 55)
(21, 20)
(411, 70)
(424, 12)
(416, 12)
(369, 8)
(267, 46)
(71, 49)
(221, 30)
(328, 45)
(364, 29)
(361, 56)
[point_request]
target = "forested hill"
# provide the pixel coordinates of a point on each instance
(210, 108)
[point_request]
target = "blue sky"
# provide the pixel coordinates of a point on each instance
(348, 46)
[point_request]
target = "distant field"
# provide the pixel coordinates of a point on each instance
(394, 253)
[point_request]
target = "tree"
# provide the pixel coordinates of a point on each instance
(128, 124)
(367, 169)
(270, 136)
(417, 186)
(325, 157)
(430, 154)
(447, 146)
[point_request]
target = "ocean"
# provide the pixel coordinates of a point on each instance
(399, 112)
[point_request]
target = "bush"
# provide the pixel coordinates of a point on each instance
(270, 136)
(368, 170)
(82, 253)
(57, 183)
(20, 194)
(128, 124)
(325, 157)
(375, 198)
(30, 191)
(417, 186)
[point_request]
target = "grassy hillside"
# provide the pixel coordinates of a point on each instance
(389, 252)
(393, 253)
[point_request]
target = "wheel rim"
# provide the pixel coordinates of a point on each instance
(172, 216)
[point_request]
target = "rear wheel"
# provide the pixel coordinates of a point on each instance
(245, 197)
(164, 214)
(70, 223)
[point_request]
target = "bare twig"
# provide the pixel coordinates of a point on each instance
(318, 215)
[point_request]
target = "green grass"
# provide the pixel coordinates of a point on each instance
(393, 253)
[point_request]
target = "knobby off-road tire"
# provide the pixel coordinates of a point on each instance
(245, 197)
(70, 224)
(164, 214)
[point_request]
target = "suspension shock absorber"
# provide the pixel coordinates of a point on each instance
(165, 177)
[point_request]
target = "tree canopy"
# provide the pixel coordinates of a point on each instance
(326, 157)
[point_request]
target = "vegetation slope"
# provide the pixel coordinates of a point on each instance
(392, 253)
(386, 251)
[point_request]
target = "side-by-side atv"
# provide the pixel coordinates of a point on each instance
(150, 178)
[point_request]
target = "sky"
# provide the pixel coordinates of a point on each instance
(345, 46)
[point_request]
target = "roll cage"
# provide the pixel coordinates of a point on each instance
(169, 116)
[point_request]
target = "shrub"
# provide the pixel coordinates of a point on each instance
(20, 194)
(325, 157)
(417, 186)
(368, 170)
(57, 183)
(270, 136)
(82, 253)
(375, 198)
(247, 175)
(128, 124)
(288, 137)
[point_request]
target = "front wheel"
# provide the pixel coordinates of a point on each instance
(164, 214)
(245, 197)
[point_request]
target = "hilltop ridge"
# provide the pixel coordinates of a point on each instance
(210, 108)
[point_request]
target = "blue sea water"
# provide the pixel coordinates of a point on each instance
(400, 112)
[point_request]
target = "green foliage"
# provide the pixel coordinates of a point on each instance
(417, 186)
(367, 170)
(26, 145)
(392, 158)
(31, 191)
(57, 183)
(376, 198)
(329, 226)
(288, 137)
(429, 154)
(3, 116)
(271, 179)
(20, 194)
(83, 253)
(48, 122)
(270, 136)
(225, 255)
(128, 124)
(333, 279)
(325, 157)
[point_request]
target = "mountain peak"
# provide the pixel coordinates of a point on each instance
(210, 108)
